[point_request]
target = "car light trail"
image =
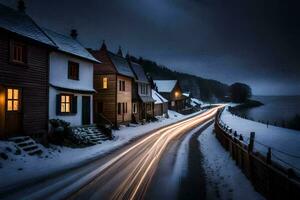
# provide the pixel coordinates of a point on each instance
(148, 153)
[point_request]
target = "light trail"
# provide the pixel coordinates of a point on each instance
(142, 168)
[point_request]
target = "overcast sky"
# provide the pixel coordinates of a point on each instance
(251, 41)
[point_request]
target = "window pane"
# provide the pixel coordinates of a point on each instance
(63, 98)
(9, 94)
(16, 94)
(16, 106)
(105, 83)
(9, 106)
(63, 107)
(68, 99)
(68, 107)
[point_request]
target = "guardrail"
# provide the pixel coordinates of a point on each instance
(269, 178)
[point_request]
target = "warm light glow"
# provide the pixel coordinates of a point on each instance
(104, 83)
(12, 99)
(176, 94)
(65, 104)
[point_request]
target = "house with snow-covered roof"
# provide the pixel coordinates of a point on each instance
(24, 50)
(70, 80)
(160, 104)
(142, 101)
(171, 90)
(113, 82)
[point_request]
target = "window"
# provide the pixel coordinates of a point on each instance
(65, 103)
(73, 70)
(173, 103)
(134, 105)
(18, 52)
(104, 83)
(121, 85)
(100, 107)
(13, 100)
(122, 108)
(144, 88)
(119, 109)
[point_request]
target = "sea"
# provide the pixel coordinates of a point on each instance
(276, 109)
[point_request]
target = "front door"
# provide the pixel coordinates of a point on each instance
(86, 110)
(13, 112)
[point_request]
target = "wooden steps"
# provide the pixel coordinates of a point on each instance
(27, 144)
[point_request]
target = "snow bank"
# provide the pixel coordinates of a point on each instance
(18, 168)
(224, 179)
(282, 141)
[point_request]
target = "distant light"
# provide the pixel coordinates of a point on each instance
(176, 94)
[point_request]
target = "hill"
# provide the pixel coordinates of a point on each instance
(205, 89)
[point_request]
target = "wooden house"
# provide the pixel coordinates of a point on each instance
(142, 101)
(160, 104)
(70, 80)
(24, 65)
(171, 90)
(113, 85)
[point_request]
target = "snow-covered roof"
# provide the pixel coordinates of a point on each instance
(186, 94)
(20, 23)
(165, 85)
(158, 98)
(197, 101)
(139, 72)
(121, 65)
(69, 45)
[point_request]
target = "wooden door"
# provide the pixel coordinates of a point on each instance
(13, 112)
(86, 110)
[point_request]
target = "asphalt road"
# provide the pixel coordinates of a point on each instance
(125, 173)
(129, 174)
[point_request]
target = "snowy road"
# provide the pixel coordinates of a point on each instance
(124, 174)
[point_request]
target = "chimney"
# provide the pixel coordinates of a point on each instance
(21, 6)
(74, 34)
(103, 46)
(120, 53)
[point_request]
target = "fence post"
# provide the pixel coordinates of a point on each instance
(269, 156)
(251, 142)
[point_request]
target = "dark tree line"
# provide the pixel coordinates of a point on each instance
(240, 92)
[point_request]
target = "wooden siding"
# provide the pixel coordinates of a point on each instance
(32, 79)
(106, 96)
(106, 66)
(125, 97)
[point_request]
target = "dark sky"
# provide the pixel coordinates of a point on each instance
(251, 41)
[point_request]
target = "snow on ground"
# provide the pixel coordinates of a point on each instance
(224, 179)
(18, 168)
(282, 141)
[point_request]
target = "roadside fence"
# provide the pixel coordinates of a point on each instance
(266, 167)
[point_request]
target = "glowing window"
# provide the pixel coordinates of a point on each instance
(65, 103)
(13, 100)
(104, 83)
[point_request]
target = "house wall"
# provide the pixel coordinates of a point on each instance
(126, 97)
(58, 73)
(58, 76)
(32, 79)
(106, 96)
(74, 119)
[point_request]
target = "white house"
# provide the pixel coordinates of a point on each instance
(70, 80)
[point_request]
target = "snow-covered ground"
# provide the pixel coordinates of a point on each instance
(285, 143)
(224, 179)
(18, 168)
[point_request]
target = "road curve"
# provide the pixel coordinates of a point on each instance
(128, 175)
(123, 174)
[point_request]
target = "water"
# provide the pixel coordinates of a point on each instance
(275, 108)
